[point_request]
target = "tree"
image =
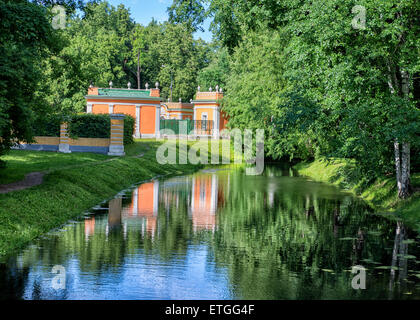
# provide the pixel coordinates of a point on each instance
(96, 49)
(345, 91)
(217, 71)
(188, 12)
(26, 36)
(362, 74)
(138, 43)
(177, 53)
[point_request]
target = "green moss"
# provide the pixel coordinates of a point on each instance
(381, 194)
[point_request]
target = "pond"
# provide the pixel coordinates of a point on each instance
(220, 234)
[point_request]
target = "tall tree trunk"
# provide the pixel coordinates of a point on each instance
(138, 70)
(405, 189)
(397, 164)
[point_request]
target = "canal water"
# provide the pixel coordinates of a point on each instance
(219, 234)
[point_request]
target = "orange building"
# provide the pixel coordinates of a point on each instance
(146, 107)
(179, 111)
(142, 105)
(207, 108)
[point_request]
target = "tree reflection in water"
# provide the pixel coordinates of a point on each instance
(274, 236)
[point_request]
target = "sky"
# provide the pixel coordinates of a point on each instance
(142, 11)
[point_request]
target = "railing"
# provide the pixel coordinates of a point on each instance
(198, 127)
(203, 127)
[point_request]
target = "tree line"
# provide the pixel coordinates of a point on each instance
(47, 69)
(330, 78)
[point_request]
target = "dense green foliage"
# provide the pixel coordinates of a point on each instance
(129, 127)
(47, 125)
(190, 12)
(323, 79)
(98, 126)
(217, 72)
(46, 71)
(25, 37)
(107, 45)
(89, 126)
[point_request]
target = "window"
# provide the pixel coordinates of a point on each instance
(204, 121)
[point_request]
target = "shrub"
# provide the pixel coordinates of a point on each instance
(89, 126)
(128, 129)
(82, 126)
(98, 126)
(47, 126)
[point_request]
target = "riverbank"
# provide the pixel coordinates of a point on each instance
(72, 184)
(381, 195)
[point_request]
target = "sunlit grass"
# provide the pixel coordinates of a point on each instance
(21, 162)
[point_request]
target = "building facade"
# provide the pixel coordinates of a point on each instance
(148, 110)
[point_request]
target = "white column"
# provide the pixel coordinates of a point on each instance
(111, 108)
(157, 123)
(137, 121)
(194, 119)
(89, 108)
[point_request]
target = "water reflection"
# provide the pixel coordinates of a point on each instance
(204, 202)
(220, 234)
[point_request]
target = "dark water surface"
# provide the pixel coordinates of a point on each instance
(220, 234)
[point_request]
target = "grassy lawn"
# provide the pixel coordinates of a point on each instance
(21, 162)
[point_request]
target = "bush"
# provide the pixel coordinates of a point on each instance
(128, 129)
(83, 126)
(89, 126)
(47, 126)
(98, 126)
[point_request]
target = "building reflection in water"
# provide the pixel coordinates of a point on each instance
(204, 202)
(114, 214)
(145, 204)
(201, 194)
(89, 227)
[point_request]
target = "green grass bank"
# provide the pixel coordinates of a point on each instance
(380, 195)
(73, 183)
